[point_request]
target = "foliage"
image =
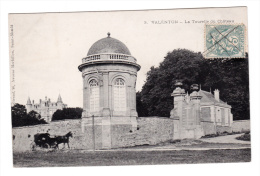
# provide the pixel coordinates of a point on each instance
(67, 113)
(139, 105)
(244, 137)
(232, 79)
(210, 135)
(177, 65)
(21, 118)
(18, 111)
(230, 76)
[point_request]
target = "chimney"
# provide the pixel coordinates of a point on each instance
(216, 94)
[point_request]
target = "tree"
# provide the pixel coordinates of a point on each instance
(18, 114)
(67, 113)
(18, 110)
(139, 105)
(230, 76)
(232, 79)
(179, 64)
(21, 118)
(34, 118)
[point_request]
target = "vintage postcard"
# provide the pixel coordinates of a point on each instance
(130, 87)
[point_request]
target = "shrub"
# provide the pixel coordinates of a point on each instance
(210, 135)
(67, 113)
(175, 141)
(244, 137)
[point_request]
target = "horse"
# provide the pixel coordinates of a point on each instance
(63, 139)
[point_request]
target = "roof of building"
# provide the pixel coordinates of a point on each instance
(208, 97)
(45, 101)
(59, 99)
(28, 101)
(108, 45)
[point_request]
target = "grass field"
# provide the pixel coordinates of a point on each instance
(116, 157)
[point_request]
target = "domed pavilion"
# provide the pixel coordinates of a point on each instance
(109, 73)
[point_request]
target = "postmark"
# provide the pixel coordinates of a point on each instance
(224, 41)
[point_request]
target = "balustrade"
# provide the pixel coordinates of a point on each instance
(109, 57)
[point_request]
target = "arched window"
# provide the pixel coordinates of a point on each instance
(119, 95)
(94, 95)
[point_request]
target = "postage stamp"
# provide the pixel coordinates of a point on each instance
(224, 41)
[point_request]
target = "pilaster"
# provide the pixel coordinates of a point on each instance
(105, 94)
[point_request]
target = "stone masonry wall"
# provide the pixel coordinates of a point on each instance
(151, 130)
(24, 136)
(237, 126)
(208, 128)
(241, 125)
(222, 129)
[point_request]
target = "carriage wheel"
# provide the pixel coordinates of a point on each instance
(46, 145)
(56, 146)
(33, 146)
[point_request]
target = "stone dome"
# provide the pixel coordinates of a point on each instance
(108, 45)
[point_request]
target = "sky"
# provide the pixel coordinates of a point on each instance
(48, 47)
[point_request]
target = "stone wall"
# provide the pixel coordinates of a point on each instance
(156, 129)
(150, 131)
(237, 126)
(241, 125)
(208, 127)
(24, 136)
(222, 129)
(206, 113)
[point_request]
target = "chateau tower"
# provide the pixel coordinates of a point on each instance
(28, 105)
(59, 99)
(109, 73)
(59, 102)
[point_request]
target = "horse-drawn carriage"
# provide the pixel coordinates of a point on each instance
(45, 141)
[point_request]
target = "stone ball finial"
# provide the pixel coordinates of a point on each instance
(178, 83)
(194, 87)
(108, 34)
